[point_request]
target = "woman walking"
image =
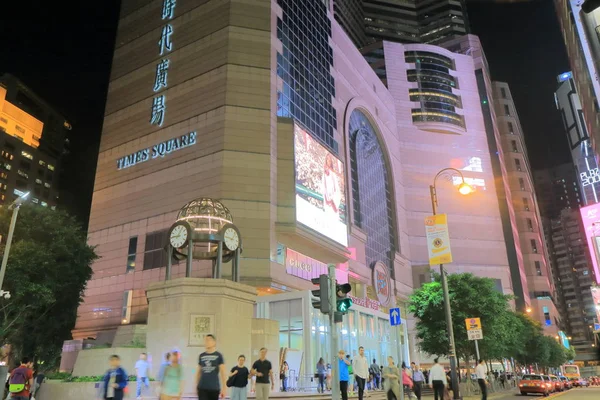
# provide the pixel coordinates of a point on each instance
(321, 373)
(407, 382)
(285, 374)
(238, 380)
(391, 383)
(171, 384)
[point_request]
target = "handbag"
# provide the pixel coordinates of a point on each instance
(230, 381)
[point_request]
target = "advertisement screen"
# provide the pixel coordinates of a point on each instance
(320, 188)
(591, 223)
(596, 299)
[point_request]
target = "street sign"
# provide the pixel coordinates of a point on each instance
(438, 239)
(476, 334)
(596, 327)
(395, 318)
(473, 324)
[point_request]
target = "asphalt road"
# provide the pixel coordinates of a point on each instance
(591, 393)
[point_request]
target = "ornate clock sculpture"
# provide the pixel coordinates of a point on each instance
(204, 230)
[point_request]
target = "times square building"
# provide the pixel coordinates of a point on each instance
(268, 107)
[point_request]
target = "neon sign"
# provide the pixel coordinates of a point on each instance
(590, 177)
(158, 150)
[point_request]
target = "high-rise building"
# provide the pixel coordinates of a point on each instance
(532, 275)
(583, 48)
(574, 277)
(257, 122)
(32, 140)
(411, 21)
(557, 188)
(584, 157)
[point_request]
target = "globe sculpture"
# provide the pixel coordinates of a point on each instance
(204, 230)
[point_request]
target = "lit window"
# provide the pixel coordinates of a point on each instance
(51, 167)
(44, 204)
(36, 201)
(22, 173)
(18, 128)
(47, 184)
(42, 163)
(18, 192)
(26, 155)
(38, 181)
(7, 166)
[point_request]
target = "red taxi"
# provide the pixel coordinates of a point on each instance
(559, 385)
(566, 382)
(535, 384)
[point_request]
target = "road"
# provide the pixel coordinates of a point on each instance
(592, 393)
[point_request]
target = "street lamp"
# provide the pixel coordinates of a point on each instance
(528, 310)
(463, 189)
(11, 230)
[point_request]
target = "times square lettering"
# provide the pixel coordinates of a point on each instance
(158, 150)
(590, 177)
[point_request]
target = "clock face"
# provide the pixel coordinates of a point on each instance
(231, 239)
(179, 236)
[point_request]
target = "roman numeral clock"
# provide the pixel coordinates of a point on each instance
(204, 230)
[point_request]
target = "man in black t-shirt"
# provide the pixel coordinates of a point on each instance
(210, 366)
(263, 371)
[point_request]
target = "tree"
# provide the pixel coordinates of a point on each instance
(48, 267)
(470, 296)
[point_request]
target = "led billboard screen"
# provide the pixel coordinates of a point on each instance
(591, 223)
(320, 188)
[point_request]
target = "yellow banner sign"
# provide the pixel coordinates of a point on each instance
(473, 324)
(438, 239)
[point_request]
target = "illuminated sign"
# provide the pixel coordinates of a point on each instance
(565, 76)
(320, 188)
(302, 266)
(596, 300)
(165, 45)
(591, 224)
(158, 150)
(382, 283)
(590, 177)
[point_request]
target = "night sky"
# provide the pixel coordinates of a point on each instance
(63, 52)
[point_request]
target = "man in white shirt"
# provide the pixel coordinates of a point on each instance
(437, 380)
(360, 365)
(481, 372)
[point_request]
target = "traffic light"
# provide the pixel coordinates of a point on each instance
(320, 297)
(343, 303)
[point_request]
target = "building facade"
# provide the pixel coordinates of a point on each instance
(412, 21)
(533, 269)
(317, 160)
(32, 136)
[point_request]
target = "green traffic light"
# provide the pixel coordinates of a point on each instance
(344, 305)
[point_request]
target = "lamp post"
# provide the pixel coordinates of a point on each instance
(463, 189)
(11, 230)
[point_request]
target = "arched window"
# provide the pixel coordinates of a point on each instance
(371, 191)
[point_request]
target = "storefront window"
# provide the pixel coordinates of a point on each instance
(289, 315)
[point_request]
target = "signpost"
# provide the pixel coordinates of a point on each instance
(474, 332)
(438, 239)
(395, 318)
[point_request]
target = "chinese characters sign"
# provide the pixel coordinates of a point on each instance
(200, 326)
(165, 45)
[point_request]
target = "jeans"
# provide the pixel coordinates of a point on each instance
(344, 389)
(321, 387)
(141, 381)
(238, 393)
(360, 382)
(483, 388)
(438, 390)
(284, 382)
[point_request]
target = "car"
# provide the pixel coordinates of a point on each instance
(535, 384)
(579, 382)
(567, 383)
(559, 386)
(550, 384)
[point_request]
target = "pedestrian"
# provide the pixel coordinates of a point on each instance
(376, 372)
(321, 372)
(391, 380)
(437, 380)
(263, 371)
(360, 365)
(285, 374)
(163, 366)
(141, 372)
(39, 378)
(351, 374)
(481, 372)
(407, 382)
(171, 383)
(329, 375)
(115, 380)
(238, 380)
(418, 380)
(20, 381)
(344, 366)
(211, 374)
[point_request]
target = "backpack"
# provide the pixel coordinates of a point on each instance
(18, 381)
(350, 369)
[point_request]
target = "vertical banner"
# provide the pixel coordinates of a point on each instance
(438, 239)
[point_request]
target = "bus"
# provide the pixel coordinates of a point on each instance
(571, 371)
